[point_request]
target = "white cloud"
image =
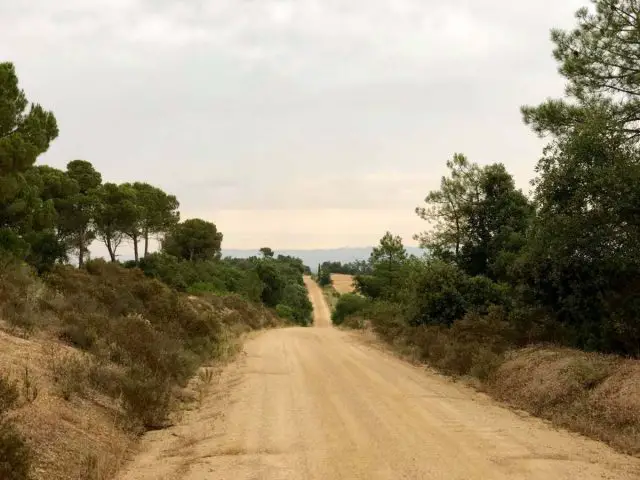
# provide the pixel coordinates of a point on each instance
(280, 114)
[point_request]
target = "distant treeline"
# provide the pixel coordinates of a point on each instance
(349, 268)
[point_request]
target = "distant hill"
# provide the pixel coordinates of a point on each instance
(313, 258)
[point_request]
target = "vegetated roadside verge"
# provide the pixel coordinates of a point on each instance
(593, 394)
(331, 296)
(92, 358)
(334, 286)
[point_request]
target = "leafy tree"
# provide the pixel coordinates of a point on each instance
(266, 252)
(324, 277)
(497, 222)
(440, 293)
(193, 240)
(56, 191)
(23, 134)
(133, 228)
(388, 261)
(447, 209)
(295, 297)
(28, 213)
(45, 250)
(76, 220)
(26, 130)
(114, 212)
(479, 218)
(350, 268)
(582, 261)
(600, 60)
(274, 282)
(158, 213)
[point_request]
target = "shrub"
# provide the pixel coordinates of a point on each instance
(9, 394)
(15, 454)
(297, 299)
(324, 277)
(70, 373)
(206, 287)
(20, 294)
(29, 386)
(355, 322)
(437, 295)
(285, 311)
(388, 320)
(348, 304)
(146, 398)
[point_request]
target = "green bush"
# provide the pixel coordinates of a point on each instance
(324, 277)
(348, 304)
(437, 295)
(285, 311)
(205, 287)
(295, 297)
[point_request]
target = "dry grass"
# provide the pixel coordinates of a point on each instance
(62, 434)
(594, 394)
(331, 296)
(342, 283)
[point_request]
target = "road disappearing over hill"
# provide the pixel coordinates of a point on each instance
(321, 404)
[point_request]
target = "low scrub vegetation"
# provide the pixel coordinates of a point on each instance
(15, 454)
(129, 338)
(141, 337)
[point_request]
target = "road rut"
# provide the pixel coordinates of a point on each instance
(319, 403)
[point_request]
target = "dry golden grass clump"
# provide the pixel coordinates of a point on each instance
(595, 394)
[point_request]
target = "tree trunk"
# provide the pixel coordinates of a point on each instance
(80, 249)
(146, 244)
(135, 248)
(112, 253)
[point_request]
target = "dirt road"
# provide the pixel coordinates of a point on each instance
(318, 403)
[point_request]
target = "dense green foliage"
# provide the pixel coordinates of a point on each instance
(350, 268)
(348, 304)
(324, 277)
(563, 266)
(193, 240)
(271, 281)
(599, 59)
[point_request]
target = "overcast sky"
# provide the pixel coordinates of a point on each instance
(289, 123)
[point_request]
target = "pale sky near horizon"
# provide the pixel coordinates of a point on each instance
(289, 123)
